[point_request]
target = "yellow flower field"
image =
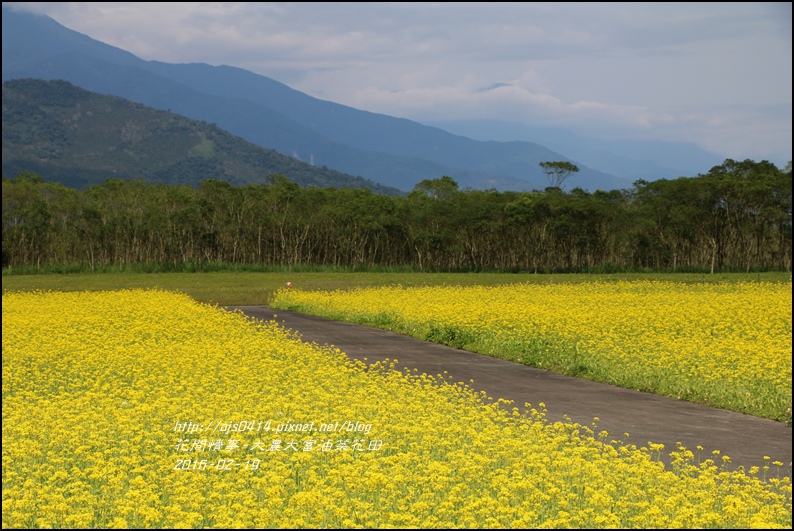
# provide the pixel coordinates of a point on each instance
(145, 409)
(726, 345)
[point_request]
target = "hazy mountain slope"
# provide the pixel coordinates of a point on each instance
(77, 137)
(629, 158)
(382, 133)
(388, 150)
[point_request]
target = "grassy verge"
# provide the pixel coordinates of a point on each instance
(725, 345)
(253, 288)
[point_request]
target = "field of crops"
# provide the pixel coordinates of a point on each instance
(726, 345)
(143, 408)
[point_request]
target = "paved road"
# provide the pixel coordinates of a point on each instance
(645, 417)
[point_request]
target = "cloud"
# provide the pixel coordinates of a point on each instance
(699, 72)
(739, 131)
(506, 101)
(494, 86)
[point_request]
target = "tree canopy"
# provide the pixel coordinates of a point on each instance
(735, 217)
(558, 172)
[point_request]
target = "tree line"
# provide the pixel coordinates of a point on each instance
(737, 217)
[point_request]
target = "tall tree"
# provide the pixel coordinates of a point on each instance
(558, 172)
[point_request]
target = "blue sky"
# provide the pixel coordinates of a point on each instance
(716, 74)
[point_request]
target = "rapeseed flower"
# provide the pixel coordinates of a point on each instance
(145, 409)
(726, 345)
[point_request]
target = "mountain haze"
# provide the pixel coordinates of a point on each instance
(392, 151)
(76, 137)
(628, 158)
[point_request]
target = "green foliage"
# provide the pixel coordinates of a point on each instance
(443, 188)
(735, 218)
(558, 172)
(80, 138)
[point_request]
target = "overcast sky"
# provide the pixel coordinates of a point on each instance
(717, 74)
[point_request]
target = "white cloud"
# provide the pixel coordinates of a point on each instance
(698, 72)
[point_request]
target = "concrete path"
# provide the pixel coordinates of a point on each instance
(645, 417)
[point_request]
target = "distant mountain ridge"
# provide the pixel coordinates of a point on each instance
(631, 159)
(76, 137)
(392, 151)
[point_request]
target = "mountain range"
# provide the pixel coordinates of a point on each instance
(67, 134)
(393, 152)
